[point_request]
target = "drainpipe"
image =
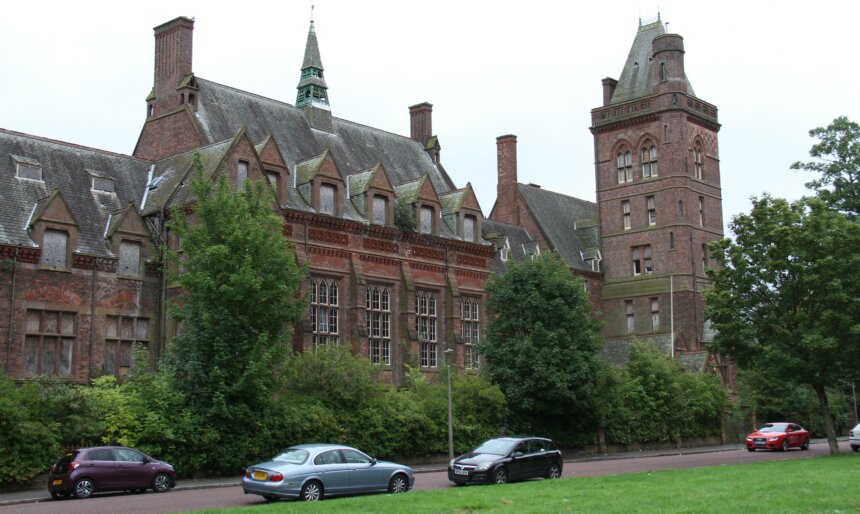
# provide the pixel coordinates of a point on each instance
(11, 309)
(93, 318)
(162, 295)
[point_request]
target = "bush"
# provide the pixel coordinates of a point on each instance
(28, 437)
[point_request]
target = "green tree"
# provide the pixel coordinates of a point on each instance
(543, 347)
(240, 282)
(839, 165)
(786, 295)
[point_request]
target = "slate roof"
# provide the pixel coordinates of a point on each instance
(223, 111)
(637, 78)
(569, 224)
(67, 168)
(517, 237)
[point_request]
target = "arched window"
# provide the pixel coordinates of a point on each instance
(649, 160)
(625, 166)
(698, 160)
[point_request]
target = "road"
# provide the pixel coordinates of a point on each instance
(226, 497)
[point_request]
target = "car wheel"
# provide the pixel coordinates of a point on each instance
(500, 476)
(785, 445)
(805, 445)
(398, 484)
(554, 471)
(856, 448)
(84, 488)
(161, 483)
(312, 491)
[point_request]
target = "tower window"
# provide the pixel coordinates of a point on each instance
(631, 318)
(662, 71)
(655, 314)
(241, 175)
(698, 161)
(641, 256)
(625, 167)
(625, 213)
(652, 210)
(671, 240)
(704, 257)
(702, 211)
(649, 160)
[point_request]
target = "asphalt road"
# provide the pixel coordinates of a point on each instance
(226, 497)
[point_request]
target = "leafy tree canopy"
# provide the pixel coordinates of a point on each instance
(838, 152)
(543, 345)
(786, 295)
(240, 282)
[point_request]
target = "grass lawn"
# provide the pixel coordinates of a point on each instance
(826, 484)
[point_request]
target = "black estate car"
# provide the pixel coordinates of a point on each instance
(506, 459)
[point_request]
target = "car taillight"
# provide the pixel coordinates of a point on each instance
(53, 468)
(74, 465)
(277, 477)
(247, 473)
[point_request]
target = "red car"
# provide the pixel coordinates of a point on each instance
(778, 436)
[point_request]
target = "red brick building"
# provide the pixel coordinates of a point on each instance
(81, 228)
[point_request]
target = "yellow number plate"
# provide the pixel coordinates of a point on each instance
(259, 475)
(57, 482)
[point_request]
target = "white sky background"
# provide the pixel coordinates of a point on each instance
(80, 71)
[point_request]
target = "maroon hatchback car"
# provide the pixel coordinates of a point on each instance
(85, 471)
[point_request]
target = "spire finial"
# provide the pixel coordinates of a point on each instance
(312, 13)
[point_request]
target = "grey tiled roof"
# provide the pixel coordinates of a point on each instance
(517, 236)
(65, 168)
(222, 111)
(565, 221)
(312, 51)
(637, 78)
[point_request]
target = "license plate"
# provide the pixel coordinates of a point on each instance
(259, 475)
(460, 472)
(57, 482)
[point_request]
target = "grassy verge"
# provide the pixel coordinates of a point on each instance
(827, 484)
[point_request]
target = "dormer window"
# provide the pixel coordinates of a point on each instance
(129, 258)
(380, 210)
(426, 220)
(505, 250)
(275, 181)
(241, 175)
(29, 171)
(103, 185)
(327, 199)
(469, 223)
(55, 245)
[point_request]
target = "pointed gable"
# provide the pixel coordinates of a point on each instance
(372, 195)
(126, 221)
(52, 209)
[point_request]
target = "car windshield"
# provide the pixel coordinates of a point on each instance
(292, 456)
(774, 427)
(496, 446)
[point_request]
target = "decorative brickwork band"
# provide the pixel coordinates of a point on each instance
(428, 253)
(325, 236)
(381, 245)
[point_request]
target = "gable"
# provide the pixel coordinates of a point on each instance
(270, 153)
(427, 192)
(380, 180)
(54, 209)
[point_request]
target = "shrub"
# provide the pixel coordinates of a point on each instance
(28, 437)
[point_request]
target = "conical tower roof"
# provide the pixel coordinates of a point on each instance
(312, 51)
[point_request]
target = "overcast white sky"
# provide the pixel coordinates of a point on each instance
(80, 71)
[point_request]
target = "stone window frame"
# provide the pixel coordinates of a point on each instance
(642, 260)
(648, 155)
(142, 247)
(377, 321)
(324, 308)
(624, 165)
(275, 180)
(243, 169)
(47, 335)
(121, 340)
(102, 185)
(655, 313)
(24, 168)
(421, 209)
(698, 160)
(701, 211)
(625, 215)
(427, 326)
(337, 195)
(630, 316)
(476, 226)
(470, 330)
(651, 210)
(388, 208)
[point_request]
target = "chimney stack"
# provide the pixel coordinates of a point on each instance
(172, 58)
(506, 209)
(421, 122)
(609, 85)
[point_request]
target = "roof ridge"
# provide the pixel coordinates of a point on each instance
(556, 193)
(72, 145)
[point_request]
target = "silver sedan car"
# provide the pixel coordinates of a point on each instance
(315, 471)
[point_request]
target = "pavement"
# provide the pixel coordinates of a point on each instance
(39, 495)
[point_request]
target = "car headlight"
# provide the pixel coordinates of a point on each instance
(773, 438)
(451, 464)
(749, 439)
(484, 466)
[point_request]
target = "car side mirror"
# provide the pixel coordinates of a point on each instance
(372, 461)
(146, 460)
(789, 430)
(517, 454)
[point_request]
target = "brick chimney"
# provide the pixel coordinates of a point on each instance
(609, 85)
(172, 61)
(506, 209)
(421, 122)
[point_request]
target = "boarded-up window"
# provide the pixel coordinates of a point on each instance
(103, 184)
(241, 175)
(29, 171)
(54, 247)
(122, 335)
(275, 181)
(327, 192)
(469, 228)
(48, 343)
(426, 220)
(380, 210)
(129, 258)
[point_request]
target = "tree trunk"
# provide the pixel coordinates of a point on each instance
(828, 419)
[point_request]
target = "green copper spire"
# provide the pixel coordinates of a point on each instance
(312, 87)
